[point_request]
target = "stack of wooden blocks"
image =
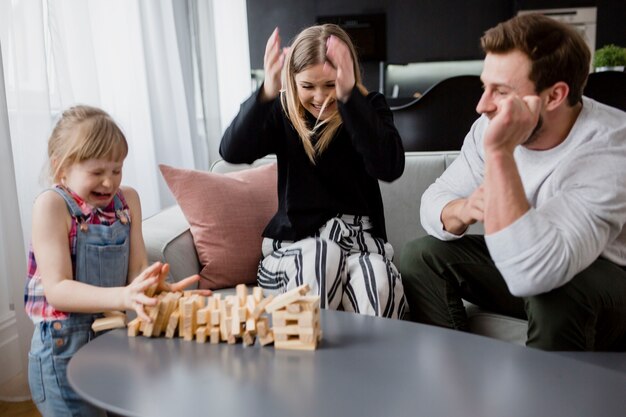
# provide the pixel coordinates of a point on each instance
(296, 320)
(231, 319)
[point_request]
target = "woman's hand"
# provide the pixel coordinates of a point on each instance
(339, 57)
(273, 64)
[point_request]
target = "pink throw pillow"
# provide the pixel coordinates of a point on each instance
(227, 214)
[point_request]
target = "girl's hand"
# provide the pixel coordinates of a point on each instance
(134, 293)
(339, 57)
(180, 285)
(273, 64)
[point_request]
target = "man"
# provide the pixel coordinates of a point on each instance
(544, 169)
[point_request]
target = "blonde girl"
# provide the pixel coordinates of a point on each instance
(333, 142)
(87, 254)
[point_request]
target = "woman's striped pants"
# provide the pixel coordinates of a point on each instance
(349, 268)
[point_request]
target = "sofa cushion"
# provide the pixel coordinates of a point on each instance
(227, 214)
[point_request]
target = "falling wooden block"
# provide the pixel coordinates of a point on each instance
(172, 324)
(287, 298)
(133, 327)
(107, 323)
(171, 307)
(260, 308)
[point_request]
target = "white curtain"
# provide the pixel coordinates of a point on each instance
(151, 64)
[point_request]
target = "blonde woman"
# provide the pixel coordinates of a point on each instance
(333, 142)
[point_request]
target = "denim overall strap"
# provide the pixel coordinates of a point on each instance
(72, 206)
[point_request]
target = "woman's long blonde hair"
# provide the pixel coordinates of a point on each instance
(309, 49)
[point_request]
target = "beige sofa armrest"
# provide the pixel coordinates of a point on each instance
(168, 239)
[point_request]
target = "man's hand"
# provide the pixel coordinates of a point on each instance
(513, 123)
(459, 214)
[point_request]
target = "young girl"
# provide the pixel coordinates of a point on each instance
(86, 246)
(333, 142)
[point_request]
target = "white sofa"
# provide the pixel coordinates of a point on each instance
(168, 238)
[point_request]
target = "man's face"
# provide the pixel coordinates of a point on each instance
(504, 75)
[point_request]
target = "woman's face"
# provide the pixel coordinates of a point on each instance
(316, 84)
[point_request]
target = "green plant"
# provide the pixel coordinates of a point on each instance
(610, 56)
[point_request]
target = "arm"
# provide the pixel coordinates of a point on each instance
(374, 135)
(368, 120)
(51, 225)
(251, 134)
(456, 199)
(548, 245)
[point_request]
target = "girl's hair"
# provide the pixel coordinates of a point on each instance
(556, 51)
(83, 133)
(309, 49)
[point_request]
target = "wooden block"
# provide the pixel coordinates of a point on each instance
(309, 302)
(293, 329)
(287, 298)
(164, 307)
(257, 294)
(214, 335)
(243, 314)
(235, 322)
(242, 294)
(262, 326)
(212, 303)
(106, 323)
(153, 313)
(260, 308)
(133, 327)
(294, 308)
(248, 338)
(202, 316)
(303, 317)
(267, 339)
(171, 307)
(250, 305)
(294, 345)
(214, 317)
(172, 324)
(201, 334)
(114, 313)
(250, 325)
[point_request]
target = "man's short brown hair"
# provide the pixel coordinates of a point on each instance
(556, 51)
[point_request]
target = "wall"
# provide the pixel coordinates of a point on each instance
(421, 30)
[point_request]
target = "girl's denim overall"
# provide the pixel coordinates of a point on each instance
(102, 253)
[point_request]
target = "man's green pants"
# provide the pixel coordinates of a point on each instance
(587, 313)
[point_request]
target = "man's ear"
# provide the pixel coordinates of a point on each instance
(557, 95)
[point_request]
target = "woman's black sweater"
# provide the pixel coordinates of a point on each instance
(344, 179)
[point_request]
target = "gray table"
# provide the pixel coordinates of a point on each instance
(365, 367)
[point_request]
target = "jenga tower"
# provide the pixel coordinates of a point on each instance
(296, 320)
